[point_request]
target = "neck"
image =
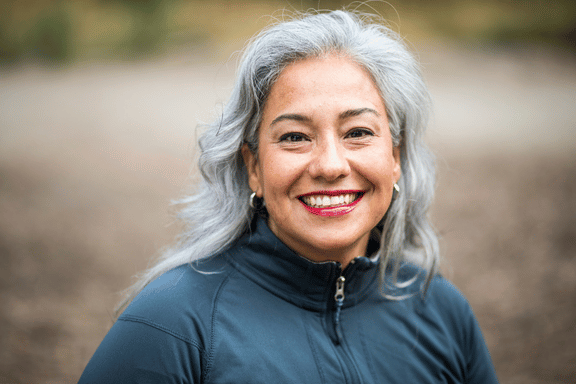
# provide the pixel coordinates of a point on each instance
(319, 249)
(341, 255)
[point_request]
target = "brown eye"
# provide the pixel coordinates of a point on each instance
(359, 133)
(292, 137)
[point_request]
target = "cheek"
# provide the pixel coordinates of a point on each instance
(378, 167)
(277, 174)
(281, 167)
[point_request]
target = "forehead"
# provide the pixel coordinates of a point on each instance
(312, 71)
(314, 84)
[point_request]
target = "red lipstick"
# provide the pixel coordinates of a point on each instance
(332, 193)
(332, 211)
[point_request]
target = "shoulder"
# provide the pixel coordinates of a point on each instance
(444, 314)
(445, 295)
(439, 293)
(180, 301)
(163, 334)
(440, 303)
(447, 303)
(446, 307)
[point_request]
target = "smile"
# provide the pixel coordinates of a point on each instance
(331, 203)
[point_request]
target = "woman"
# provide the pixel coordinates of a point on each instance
(308, 257)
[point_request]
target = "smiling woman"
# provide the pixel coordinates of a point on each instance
(308, 256)
(326, 165)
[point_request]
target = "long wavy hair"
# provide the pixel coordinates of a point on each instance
(218, 211)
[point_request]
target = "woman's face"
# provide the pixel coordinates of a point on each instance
(326, 165)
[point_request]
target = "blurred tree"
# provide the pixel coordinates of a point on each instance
(149, 25)
(510, 22)
(539, 21)
(60, 30)
(10, 48)
(51, 38)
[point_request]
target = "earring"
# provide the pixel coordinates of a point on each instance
(396, 187)
(256, 202)
(251, 200)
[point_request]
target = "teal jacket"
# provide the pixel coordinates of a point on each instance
(259, 313)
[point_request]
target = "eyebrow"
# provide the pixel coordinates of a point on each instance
(357, 112)
(291, 116)
(342, 116)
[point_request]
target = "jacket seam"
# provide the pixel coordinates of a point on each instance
(314, 353)
(141, 320)
(368, 354)
(210, 354)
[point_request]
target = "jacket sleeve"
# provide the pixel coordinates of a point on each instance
(136, 350)
(450, 305)
(480, 369)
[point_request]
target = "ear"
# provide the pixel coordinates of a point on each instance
(397, 170)
(254, 176)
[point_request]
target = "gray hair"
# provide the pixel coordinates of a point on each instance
(218, 212)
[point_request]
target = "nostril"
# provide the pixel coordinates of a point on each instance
(329, 164)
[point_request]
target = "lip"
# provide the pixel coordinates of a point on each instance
(332, 193)
(333, 211)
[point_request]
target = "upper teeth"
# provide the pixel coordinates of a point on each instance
(323, 201)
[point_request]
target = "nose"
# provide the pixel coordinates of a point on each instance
(329, 160)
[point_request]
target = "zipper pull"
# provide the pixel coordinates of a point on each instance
(339, 295)
(339, 298)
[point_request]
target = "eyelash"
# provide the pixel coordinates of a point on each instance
(295, 137)
(289, 137)
(363, 131)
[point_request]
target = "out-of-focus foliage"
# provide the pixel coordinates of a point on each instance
(550, 22)
(149, 26)
(63, 30)
(503, 21)
(60, 31)
(51, 36)
(35, 29)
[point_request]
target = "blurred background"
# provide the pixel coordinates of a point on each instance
(99, 103)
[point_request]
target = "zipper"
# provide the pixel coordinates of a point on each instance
(339, 299)
(349, 368)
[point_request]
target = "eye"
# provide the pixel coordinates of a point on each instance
(358, 133)
(293, 137)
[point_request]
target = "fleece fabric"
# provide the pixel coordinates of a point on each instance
(259, 313)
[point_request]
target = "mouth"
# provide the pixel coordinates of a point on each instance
(331, 203)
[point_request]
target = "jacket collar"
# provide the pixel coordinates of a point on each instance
(268, 262)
